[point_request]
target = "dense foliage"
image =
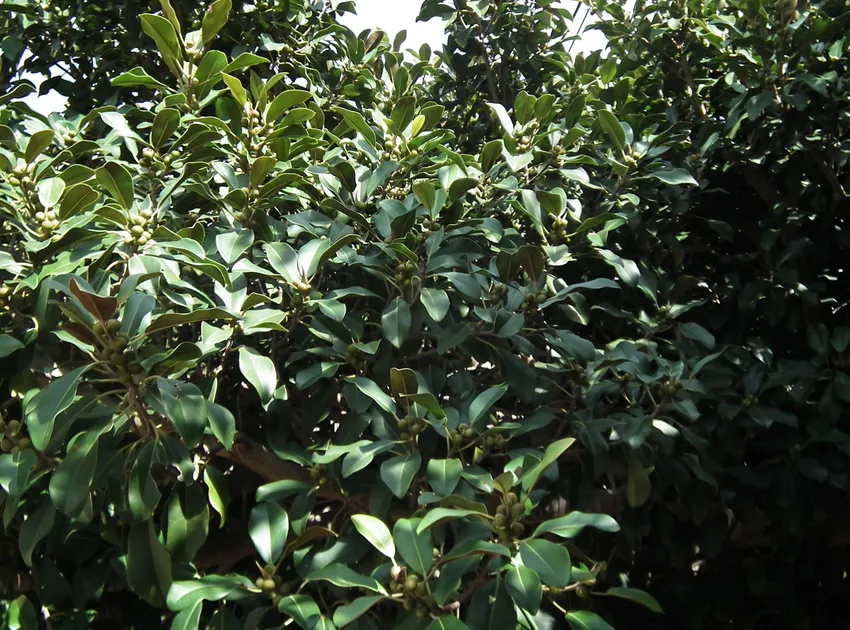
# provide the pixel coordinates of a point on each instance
(301, 329)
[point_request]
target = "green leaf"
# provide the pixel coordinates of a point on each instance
(184, 594)
(232, 244)
(396, 322)
(185, 407)
(550, 455)
(117, 180)
(356, 121)
(21, 614)
(259, 371)
(188, 618)
(245, 60)
(35, 528)
(426, 194)
(444, 475)
(502, 116)
(429, 401)
(344, 577)
(217, 490)
(491, 152)
(436, 302)
(15, 470)
(268, 527)
(235, 86)
(347, 613)
(71, 483)
(440, 515)
(214, 19)
(638, 484)
(374, 392)
(165, 123)
(376, 532)
(613, 128)
(573, 524)
(44, 409)
(284, 260)
(309, 376)
(403, 112)
(549, 560)
(285, 100)
(636, 595)
(222, 423)
(172, 320)
(302, 608)
(447, 622)
(525, 588)
(674, 177)
(187, 522)
(403, 381)
(78, 198)
(142, 492)
(137, 77)
(50, 191)
(398, 472)
(148, 564)
(162, 32)
(415, 548)
(38, 143)
(482, 403)
(586, 620)
(8, 345)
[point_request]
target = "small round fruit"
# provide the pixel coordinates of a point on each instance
(12, 427)
(6, 445)
(517, 510)
(268, 585)
(259, 582)
(113, 326)
(517, 529)
(411, 583)
(24, 443)
(270, 569)
(500, 520)
(511, 498)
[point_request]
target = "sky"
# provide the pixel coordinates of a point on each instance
(391, 16)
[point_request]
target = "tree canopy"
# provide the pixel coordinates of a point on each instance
(301, 328)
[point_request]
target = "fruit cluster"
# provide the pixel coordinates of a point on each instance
(558, 232)
(257, 131)
(416, 595)
(395, 151)
(496, 442)
(272, 585)
(156, 165)
(531, 302)
(302, 290)
(507, 523)
(139, 228)
(429, 225)
(22, 178)
(525, 139)
(409, 427)
(319, 474)
(354, 356)
(5, 292)
(498, 292)
(13, 441)
(464, 433)
(115, 350)
(405, 274)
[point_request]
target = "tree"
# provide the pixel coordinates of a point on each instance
(298, 327)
